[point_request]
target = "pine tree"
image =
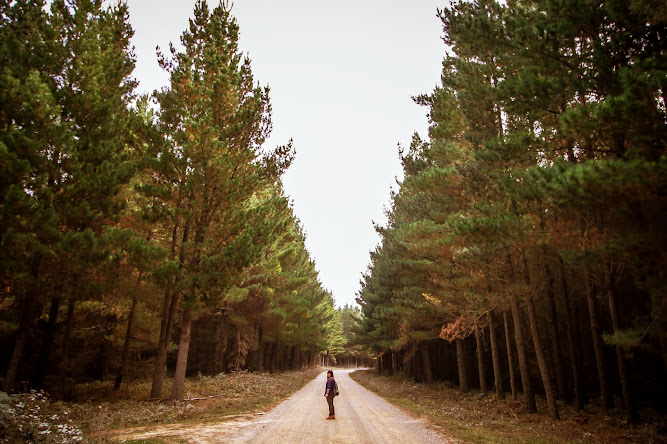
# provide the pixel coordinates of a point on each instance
(215, 120)
(67, 88)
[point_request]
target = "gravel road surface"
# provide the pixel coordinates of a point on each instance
(361, 418)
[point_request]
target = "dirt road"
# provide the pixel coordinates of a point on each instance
(361, 417)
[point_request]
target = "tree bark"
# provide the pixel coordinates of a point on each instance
(220, 344)
(178, 388)
(542, 362)
(510, 355)
(495, 356)
(524, 370)
(47, 345)
(294, 357)
(572, 342)
(426, 359)
(122, 369)
(539, 349)
(598, 345)
(29, 314)
(27, 319)
(529, 396)
(167, 321)
(274, 357)
(163, 341)
(64, 371)
(552, 324)
(267, 357)
(260, 339)
(623, 367)
(480, 360)
(461, 362)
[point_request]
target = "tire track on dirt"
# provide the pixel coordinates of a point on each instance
(361, 418)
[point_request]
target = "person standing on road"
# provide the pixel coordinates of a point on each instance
(330, 392)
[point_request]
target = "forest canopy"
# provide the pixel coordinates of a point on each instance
(144, 233)
(532, 218)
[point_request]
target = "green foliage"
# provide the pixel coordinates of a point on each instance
(546, 140)
(335, 338)
(626, 339)
(109, 201)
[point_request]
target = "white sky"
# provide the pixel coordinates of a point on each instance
(341, 74)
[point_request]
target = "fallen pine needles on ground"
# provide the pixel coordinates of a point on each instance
(477, 418)
(97, 409)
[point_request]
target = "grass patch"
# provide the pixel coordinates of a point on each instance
(475, 418)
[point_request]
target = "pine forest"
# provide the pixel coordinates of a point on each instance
(143, 233)
(150, 236)
(525, 249)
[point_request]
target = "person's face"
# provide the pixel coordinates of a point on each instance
(329, 375)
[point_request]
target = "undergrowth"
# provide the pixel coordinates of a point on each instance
(97, 409)
(32, 417)
(477, 418)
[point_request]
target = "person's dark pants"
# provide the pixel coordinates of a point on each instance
(331, 406)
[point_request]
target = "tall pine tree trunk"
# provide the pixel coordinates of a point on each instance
(598, 345)
(27, 319)
(29, 313)
(64, 370)
(480, 360)
(426, 359)
(461, 362)
(178, 388)
(168, 313)
(274, 358)
(260, 339)
(47, 344)
(495, 356)
(510, 355)
(541, 361)
(524, 369)
(552, 326)
(623, 367)
(122, 369)
(295, 358)
(220, 343)
(537, 342)
(163, 341)
(572, 341)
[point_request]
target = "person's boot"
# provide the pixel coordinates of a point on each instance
(330, 417)
(333, 416)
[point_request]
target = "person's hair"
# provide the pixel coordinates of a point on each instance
(330, 373)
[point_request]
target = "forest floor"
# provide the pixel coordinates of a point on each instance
(362, 417)
(475, 418)
(227, 403)
(98, 413)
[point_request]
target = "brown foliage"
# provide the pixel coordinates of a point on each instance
(459, 329)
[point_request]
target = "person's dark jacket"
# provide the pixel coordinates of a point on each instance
(331, 383)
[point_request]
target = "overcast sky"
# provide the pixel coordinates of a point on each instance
(342, 74)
